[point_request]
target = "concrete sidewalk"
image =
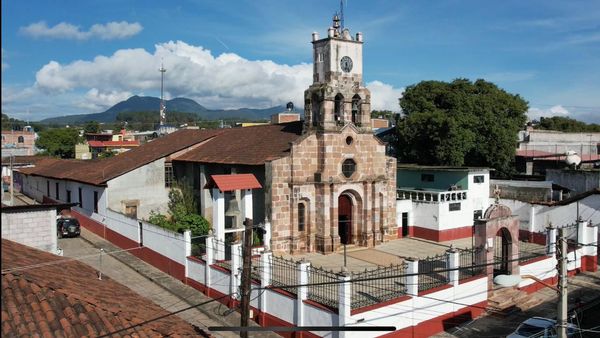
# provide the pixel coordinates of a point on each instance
(214, 313)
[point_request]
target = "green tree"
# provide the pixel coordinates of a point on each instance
(59, 142)
(566, 124)
(460, 123)
(92, 127)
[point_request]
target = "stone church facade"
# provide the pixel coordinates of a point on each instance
(337, 186)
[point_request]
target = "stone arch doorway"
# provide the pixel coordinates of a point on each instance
(345, 211)
(502, 252)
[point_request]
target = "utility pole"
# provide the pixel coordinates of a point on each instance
(163, 116)
(246, 281)
(561, 257)
(12, 183)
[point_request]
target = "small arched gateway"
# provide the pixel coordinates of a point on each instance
(498, 233)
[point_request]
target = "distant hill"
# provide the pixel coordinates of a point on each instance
(180, 104)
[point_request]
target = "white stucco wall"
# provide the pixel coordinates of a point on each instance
(479, 193)
(145, 184)
(558, 215)
(35, 228)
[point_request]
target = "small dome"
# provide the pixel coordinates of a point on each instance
(497, 211)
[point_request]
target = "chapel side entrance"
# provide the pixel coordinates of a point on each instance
(345, 219)
(502, 249)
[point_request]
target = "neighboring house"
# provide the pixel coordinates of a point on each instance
(578, 181)
(50, 296)
(135, 183)
(32, 225)
(118, 147)
(557, 142)
(19, 142)
(440, 203)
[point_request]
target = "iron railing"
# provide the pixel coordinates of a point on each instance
(529, 251)
(433, 272)
(471, 262)
(284, 272)
(326, 293)
(378, 285)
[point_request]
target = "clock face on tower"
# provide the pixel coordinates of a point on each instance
(346, 64)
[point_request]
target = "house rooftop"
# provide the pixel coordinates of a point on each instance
(439, 168)
(62, 297)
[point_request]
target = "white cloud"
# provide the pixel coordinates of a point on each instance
(109, 31)
(95, 100)
(558, 110)
(384, 96)
(221, 81)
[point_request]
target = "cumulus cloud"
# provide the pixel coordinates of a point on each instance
(64, 30)
(384, 96)
(222, 81)
(558, 110)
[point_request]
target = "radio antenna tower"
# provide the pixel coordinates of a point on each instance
(163, 108)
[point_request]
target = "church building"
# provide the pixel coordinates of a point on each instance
(325, 181)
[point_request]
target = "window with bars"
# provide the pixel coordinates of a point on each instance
(301, 216)
(478, 179)
(169, 177)
(454, 206)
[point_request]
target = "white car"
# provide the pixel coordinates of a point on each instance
(540, 327)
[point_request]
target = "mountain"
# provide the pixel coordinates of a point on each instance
(180, 104)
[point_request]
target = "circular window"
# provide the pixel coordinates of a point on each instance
(349, 140)
(348, 167)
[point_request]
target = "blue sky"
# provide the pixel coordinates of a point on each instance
(73, 57)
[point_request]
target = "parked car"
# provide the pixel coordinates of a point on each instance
(67, 227)
(540, 327)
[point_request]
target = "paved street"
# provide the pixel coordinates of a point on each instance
(151, 283)
(582, 289)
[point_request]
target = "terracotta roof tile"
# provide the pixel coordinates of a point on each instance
(233, 182)
(98, 172)
(249, 145)
(73, 302)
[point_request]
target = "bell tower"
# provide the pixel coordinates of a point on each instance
(337, 95)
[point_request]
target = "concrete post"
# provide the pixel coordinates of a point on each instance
(303, 271)
(218, 220)
(412, 280)
(187, 241)
(236, 260)
(453, 257)
(345, 301)
(267, 235)
(531, 227)
(247, 201)
(551, 239)
(587, 235)
(265, 279)
(209, 261)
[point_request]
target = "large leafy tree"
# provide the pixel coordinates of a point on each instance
(460, 123)
(59, 142)
(92, 127)
(567, 125)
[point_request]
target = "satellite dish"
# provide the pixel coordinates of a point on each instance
(572, 159)
(290, 106)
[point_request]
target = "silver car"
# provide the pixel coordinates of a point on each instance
(540, 327)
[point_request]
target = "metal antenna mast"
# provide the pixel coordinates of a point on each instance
(163, 117)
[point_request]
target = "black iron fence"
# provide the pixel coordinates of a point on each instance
(433, 272)
(323, 286)
(284, 272)
(529, 251)
(378, 285)
(471, 262)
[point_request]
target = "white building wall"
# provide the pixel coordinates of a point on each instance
(425, 215)
(457, 218)
(36, 228)
(145, 184)
(558, 215)
(479, 193)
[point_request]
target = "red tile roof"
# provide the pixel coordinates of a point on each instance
(250, 145)
(101, 144)
(233, 182)
(60, 297)
(98, 172)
